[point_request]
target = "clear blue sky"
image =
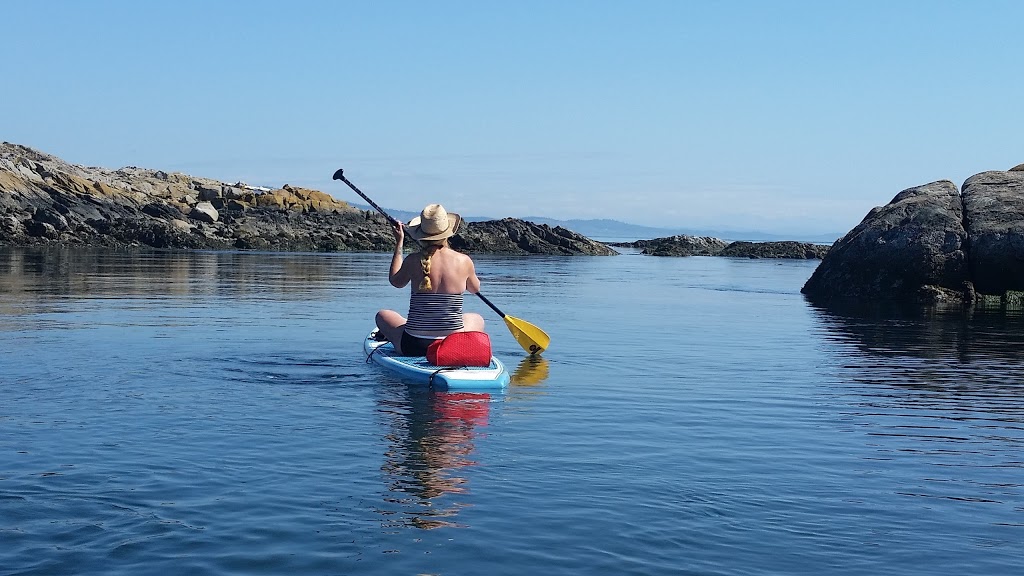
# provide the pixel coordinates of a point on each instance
(791, 117)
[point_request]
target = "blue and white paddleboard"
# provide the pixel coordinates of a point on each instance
(417, 369)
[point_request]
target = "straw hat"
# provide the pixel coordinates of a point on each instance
(434, 223)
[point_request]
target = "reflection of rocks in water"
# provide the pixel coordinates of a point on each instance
(892, 330)
(928, 347)
(431, 437)
(101, 272)
(933, 395)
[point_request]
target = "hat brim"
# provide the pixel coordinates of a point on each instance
(454, 221)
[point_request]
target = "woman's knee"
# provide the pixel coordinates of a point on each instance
(389, 318)
(473, 321)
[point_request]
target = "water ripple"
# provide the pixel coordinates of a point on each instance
(212, 413)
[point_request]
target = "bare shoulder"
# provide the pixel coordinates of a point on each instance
(463, 259)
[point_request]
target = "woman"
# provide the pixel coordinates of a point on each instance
(438, 275)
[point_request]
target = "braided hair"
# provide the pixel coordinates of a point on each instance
(425, 255)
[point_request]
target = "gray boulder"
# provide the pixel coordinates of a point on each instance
(208, 193)
(51, 217)
(11, 226)
(912, 249)
(994, 218)
(41, 230)
(204, 212)
(163, 211)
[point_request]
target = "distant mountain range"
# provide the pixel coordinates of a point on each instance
(615, 231)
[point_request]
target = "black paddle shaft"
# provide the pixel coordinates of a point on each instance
(339, 174)
(493, 307)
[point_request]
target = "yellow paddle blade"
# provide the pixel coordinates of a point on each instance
(532, 339)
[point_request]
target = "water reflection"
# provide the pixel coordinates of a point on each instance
(532, 371)
(28, 272)
(940, 387)
(431, 438)
(974, 337)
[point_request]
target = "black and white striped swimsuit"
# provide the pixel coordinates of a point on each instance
(432, 312)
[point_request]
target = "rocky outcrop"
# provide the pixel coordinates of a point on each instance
(932, 244)
(44, 200)
(785, 249)
(513, 236)
(680, 245)
(911, 249)
(683, 245)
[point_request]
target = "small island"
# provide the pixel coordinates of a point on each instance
(684, 245)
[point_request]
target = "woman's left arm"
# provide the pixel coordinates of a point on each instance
(472, 282)
(398, 275)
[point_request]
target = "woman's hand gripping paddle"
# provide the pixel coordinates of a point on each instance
(531, 338)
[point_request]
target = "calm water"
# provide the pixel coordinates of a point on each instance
(212, 413)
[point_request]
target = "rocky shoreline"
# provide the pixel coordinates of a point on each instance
(47, 201)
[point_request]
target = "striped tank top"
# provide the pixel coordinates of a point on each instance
(429, 311)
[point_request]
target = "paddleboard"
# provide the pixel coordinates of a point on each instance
(416, 369)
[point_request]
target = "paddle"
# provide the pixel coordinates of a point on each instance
(531, 338)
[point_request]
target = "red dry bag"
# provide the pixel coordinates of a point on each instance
(461, 349)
